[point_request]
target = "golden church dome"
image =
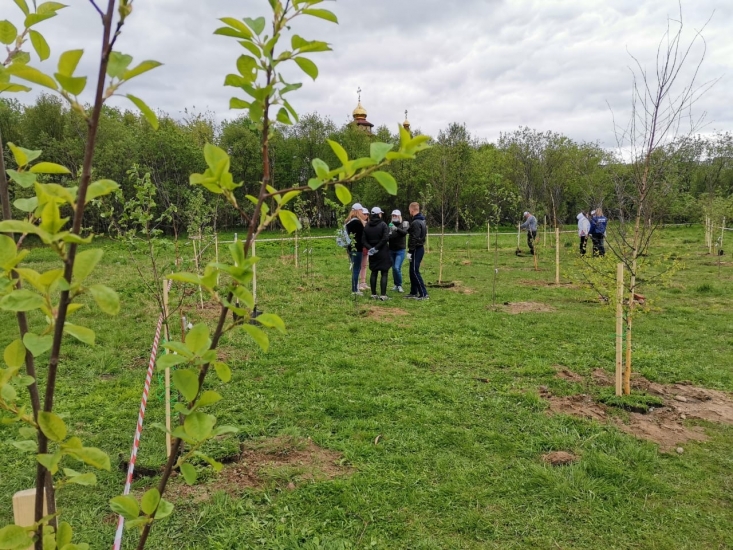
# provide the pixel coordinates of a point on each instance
(360, 111)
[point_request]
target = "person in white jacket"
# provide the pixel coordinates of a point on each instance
(583, 230)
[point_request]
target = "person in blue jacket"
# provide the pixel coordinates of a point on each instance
(597, 233)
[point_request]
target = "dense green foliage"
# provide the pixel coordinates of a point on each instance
(458, 462)
(468, 180)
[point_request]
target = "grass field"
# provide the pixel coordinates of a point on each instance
(450, 389)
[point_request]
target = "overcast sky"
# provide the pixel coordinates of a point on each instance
(493, 64)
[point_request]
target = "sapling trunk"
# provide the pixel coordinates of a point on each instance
(557, 254)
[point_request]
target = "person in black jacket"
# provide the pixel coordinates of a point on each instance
(397, 245)
(376, 237)
(355, 229)
(417, 233)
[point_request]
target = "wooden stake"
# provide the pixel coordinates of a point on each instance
(235, 240)
(544, 233)
(24, 507)
(296, 249)
(254, 274)
(216, 246)
(167, 375)
(619, 326)
(196, 263)
(519, 234)
(722, 232)
(557, 255)
(488, 236)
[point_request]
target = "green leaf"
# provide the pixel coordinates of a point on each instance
(50, 461)
(386, 180)
(236, 103)
(8, 393)
(270, 320)
(179, 348)
(73, 85)
(258, 335)
(92, 456)
(209, 397)
(165, 509)
(83, 334)
(26, 446)
(21, 300)
(68, 61)
(143, 67)
(52, 426)
(147, 112)
(33, 75)
(13, 537)
(342, 193)
(63, 535)
(237, 25)
(125, 506)
(14, 354)
(228, 31)
(186, 381)
(37, 345)
(35, 18)
(170, 360)
(223, 371)
(85, 263)
(307, 66)
(289, 220)
(24, 179)
(185, 278)
(86, 480)
(23, 5)
(189, 473)
(198, 425)
(222, 430)
(40, 45)
(49, 7)
(13, 88)
(197, 339)
(8, 32)
(26, 205)
(49, 168)
(321, 169)
(150, 501)
(118, 63)
(377, 151)
(340, 151)
(322, 14)
(101, 188)
(283, 117)
(107, 299)
(257, 25)
(8, 250)
(20, 155)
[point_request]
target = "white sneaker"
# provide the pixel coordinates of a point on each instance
(399, 289)
(358, 293)
(384, 298)
(375, 297)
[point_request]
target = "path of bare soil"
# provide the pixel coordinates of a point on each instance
(386, 314)
(281, 460)
(664, 425)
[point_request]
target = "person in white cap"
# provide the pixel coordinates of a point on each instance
(583, 231)
(354, 227)
(530, 225)
(376, 238)
(364, 260)
(397, 245)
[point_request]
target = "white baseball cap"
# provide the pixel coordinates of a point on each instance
(377, 210)
(592, 212)
(357, 206)
(364, 210)
(396, 213)
(526, 214)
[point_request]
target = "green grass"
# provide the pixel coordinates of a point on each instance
(458, 462)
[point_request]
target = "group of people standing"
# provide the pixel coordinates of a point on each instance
(593, 227)
(383, 247)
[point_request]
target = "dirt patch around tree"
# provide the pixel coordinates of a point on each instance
(385, 314)
(460, 288)
(539, 283)
(664, 425)
(283, 461)
(559, 458)
(566, 374)
(515, 308)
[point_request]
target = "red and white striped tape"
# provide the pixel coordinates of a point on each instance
(139, 428)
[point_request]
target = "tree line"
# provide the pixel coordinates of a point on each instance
(462, 181)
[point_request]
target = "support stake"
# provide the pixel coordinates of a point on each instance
(619, 327)
(167, 375)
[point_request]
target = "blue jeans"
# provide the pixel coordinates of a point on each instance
(398, 256)
(417, 285)
(356, 257)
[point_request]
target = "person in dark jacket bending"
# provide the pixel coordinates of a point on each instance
(397, 245)
(417, 234)
(376, 237)
(598, 224)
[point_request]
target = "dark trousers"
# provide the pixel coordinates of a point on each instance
(382, 282)
(417, 285)
(583, 245)
(531, 237)
(598, 247)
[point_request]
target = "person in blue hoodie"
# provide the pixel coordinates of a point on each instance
(417, 233)
(597, 233)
